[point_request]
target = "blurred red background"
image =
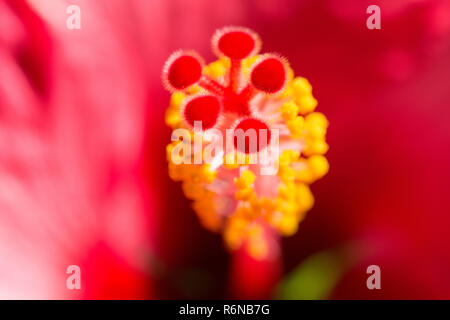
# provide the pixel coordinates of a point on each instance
(83, 175)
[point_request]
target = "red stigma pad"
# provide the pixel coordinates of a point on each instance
(269, 75)
(205, 109)
(257, 126)
(184, 71)
(236, 45)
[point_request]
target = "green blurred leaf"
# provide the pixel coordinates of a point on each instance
(314, 278)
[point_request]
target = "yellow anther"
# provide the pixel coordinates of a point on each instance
(318, 118)
(305, 198)
(306, 104)
(287, 93)
(267, 204)
(233, 239)
(245, 180)
(316, 125)
(172, 117)
(247, 64)
(284, 159)
(216, 69)
(288, 224)
(315, 147)
(273, 218)
(195, 89)
(318, 165)
(262, 206)
(287, 157)
(193, 190)
(176, 100)
(234, 232)
(206, 213)
(311, 169)
(302, 172)
(254, 230)
(257, 247)
(289, 110)
(301, 86)
(208, 175)
(287, 191)
(285, 206)
(245, 212)
(296, 126)
(287, 174)
(244, 194)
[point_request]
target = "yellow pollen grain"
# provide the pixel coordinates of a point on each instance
(289, 110)
(306, 104)
(245, 180)
(318, 165)
(296, 126)
(288, 225)
(301, 86)
(217, 69)
(257, 247)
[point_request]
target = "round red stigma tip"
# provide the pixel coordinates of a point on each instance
(269, 75)
(236, 43)
(260, 130)
(183, 70)
(204, 109)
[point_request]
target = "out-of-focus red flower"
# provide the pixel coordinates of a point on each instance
(71, 136)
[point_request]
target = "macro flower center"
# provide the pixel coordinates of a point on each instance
(257, 142)
(251, 135)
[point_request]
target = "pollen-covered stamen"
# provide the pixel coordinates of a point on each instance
(202, 108)
(236, 44)
(251, 135)
(251, 188)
